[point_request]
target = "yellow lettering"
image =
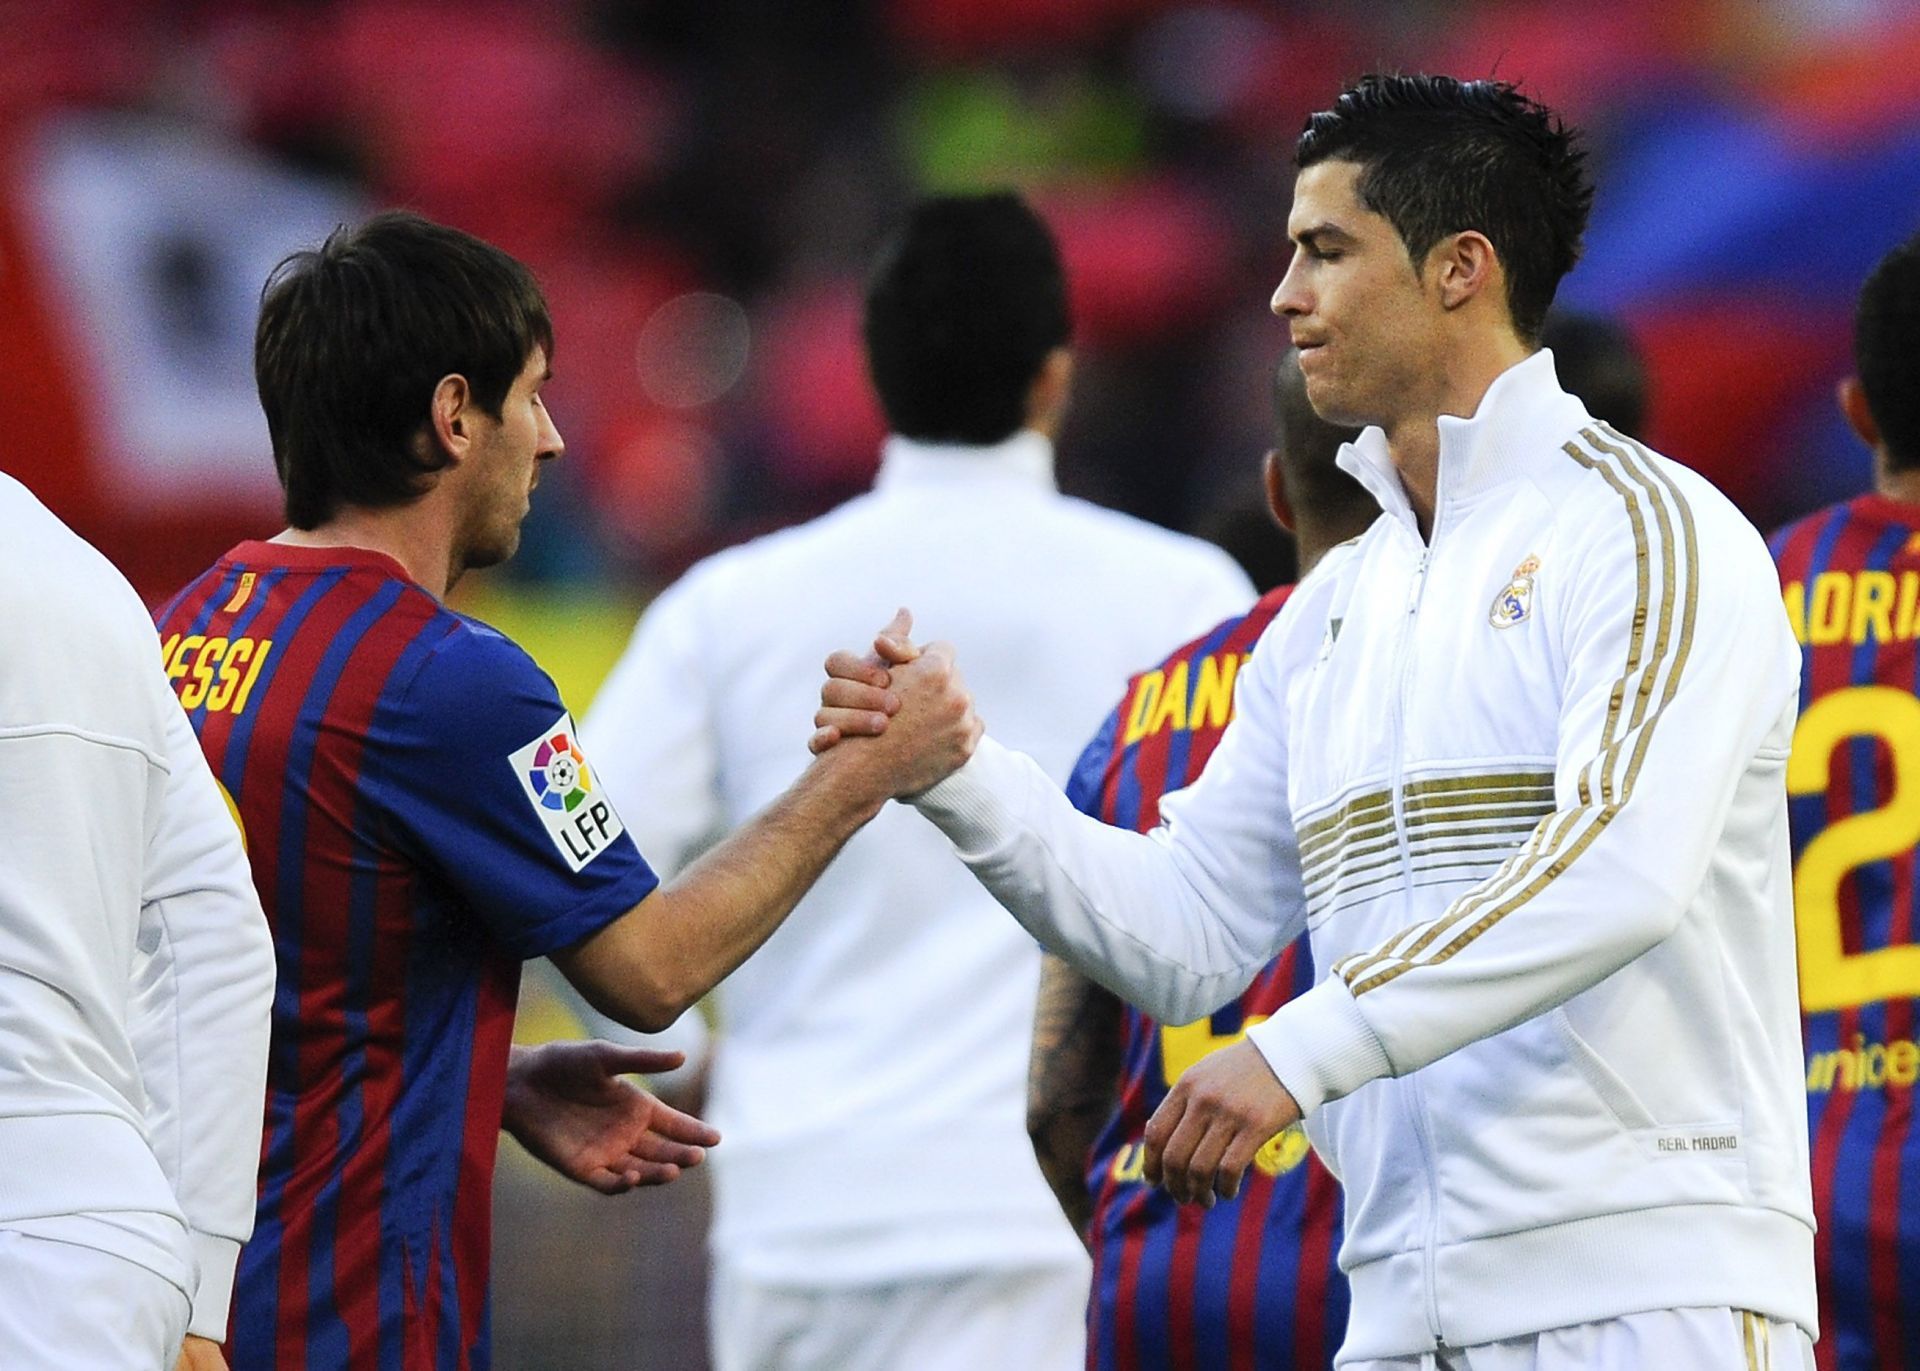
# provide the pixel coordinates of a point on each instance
(1873, 1066)
(1873, 595)
(201, 672)
(253, 674)
(1213, 696)
(1130, 1163)
(1909, 594)
(1903, 1062)
(1795, 597)
(1827, 619)
(1172, 712)
(1182, 1045)
(1145, 696)
(1820, 1071)
(177, 664)
(236, 659)
(167, 650)
(1830, 977)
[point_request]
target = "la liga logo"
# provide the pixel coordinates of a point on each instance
(553, 774)
(559, 775)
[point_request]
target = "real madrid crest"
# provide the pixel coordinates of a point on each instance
(1515, 600)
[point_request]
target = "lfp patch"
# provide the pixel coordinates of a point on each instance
(553, 772)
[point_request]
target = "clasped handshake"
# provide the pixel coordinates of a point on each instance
(908, 711)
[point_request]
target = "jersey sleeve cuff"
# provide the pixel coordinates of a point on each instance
(976, 806)
(216, 1258)
(1320, 1046)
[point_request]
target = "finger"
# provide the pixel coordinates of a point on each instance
(610, 1182)
(822, 739)
(616, 1060)
(895, 651)
(845, 666)
(669, 1122)
(1234, 1163)
(653, 1173)
(662, 1150)
(1159, 1128)
(1203, 1171)
(1176, 1161)
(900, 625)
(838, 694)
(850, 723)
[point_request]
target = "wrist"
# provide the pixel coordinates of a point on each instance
(851, 788)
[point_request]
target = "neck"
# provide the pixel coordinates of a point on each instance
(1413, 439)
(410, 534)
(1903, 485)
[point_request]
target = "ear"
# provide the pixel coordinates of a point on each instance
(1463, 266)
(1853, 404)
(1047, 396)
(1276, 481)
(450, 416)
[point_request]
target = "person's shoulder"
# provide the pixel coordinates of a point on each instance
(465, 665)
(1639, 502)
(56, 579)
(1122, 536)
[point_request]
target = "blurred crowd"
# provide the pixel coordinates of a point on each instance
(699, 186)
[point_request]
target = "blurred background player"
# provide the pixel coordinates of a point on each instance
(422, 817)
(1851, 579)
(1251, 1282)
(135, 975)
(877, 1204)
(1092, 1052)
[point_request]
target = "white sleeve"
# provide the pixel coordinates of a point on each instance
(1177, 921)
(1681, 671)
(649, 735)
(199, 1021)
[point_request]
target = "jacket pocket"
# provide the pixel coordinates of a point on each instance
(1606, 1083)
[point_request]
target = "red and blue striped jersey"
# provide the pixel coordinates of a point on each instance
(1850, 575)
(419, 819)
(1251, 1284)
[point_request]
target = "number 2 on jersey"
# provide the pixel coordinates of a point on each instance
(1830, 977)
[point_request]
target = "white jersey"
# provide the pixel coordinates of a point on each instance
(135, 965)
(871, 1078)
(1523, 781)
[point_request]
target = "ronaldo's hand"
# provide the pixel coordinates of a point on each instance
(568, 1106)
(1221, 1111)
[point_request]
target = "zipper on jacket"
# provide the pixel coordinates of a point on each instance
(1416, 1103)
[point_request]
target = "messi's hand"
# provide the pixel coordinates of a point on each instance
(568, 1105)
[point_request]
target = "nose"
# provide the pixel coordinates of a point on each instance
(551, 444)
(1290, 296)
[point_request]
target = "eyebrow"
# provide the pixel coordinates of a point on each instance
(1322, 235)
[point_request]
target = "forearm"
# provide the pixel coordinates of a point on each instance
(1161, 924)
(1072, 1081)
(651, 965)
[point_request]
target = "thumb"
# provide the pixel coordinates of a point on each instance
(893, 644)
(620, 1061)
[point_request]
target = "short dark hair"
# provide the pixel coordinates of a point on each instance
(1598, 362)
(963, 306)
(1886, 352)
(1308, 444)
(354, 336)
(1443, 156)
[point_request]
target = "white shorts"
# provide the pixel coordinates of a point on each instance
(64, 1307)
(1697, 1339)
(1032, 1319)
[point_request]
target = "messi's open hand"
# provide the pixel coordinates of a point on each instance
(1221, 1111)
(568, 1105)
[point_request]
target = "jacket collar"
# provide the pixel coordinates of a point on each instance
(1024, 460)
(1523, 410)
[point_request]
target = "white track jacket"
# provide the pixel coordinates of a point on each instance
(1523, 782)
(136, 970)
